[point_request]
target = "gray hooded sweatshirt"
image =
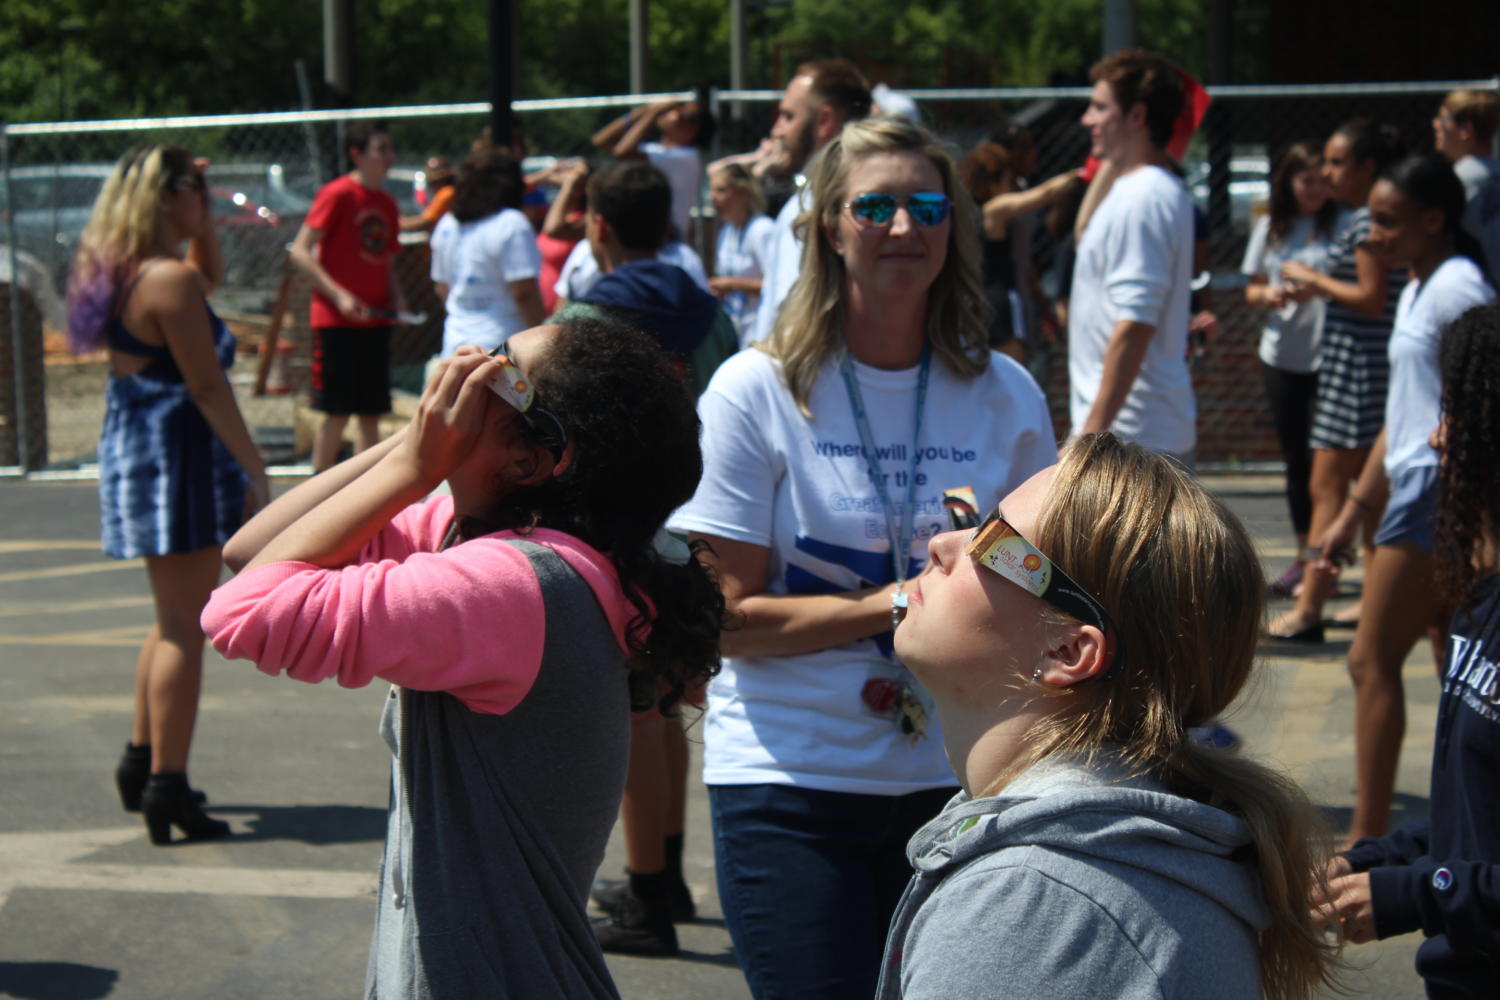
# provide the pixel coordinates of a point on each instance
(1078, 882)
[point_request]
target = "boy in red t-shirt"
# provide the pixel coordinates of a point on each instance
(347, 248)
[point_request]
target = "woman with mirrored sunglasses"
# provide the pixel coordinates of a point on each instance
(520, 620)
(1070, 643)
(827, 452)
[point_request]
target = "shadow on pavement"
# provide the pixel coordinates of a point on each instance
(724, 959)
(309, 824)
(55, 981)
(1284, 649)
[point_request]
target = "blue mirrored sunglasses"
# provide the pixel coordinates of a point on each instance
(876, 208)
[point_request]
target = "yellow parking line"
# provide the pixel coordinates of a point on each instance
(15, 610)
(77, 570)
(129, 635)
(44, 545)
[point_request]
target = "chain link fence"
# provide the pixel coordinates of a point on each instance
(266, 168)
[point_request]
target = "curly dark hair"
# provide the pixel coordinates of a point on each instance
(634, 432)
(1468, 476)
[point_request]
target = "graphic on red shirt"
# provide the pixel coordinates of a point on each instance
(359, 227)
(374, 234)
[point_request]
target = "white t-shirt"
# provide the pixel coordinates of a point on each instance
(1413, 403)
(743, 252)
(785, 263)
(802, 489)
(477, 261)
(1290, 335)
(581, 271)
(1135, 262)
(684, 172)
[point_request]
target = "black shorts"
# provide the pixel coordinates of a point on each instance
(351, 370)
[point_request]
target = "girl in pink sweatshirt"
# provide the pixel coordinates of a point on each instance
(518, 621)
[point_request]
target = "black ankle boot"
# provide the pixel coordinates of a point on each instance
(167, 801)
(131, 774)
(613, 894)
(642, 925)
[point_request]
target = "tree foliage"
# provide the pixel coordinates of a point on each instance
(77, 59)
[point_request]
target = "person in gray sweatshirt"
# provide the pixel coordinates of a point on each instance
(1069, 642)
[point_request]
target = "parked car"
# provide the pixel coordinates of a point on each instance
(50, 205)
(267, 184)
(1249, 185)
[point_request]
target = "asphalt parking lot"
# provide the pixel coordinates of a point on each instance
(283, 909)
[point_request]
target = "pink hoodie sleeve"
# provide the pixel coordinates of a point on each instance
(469, 620)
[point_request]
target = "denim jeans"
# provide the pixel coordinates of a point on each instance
(809, 881)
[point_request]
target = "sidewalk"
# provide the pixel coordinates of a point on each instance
(89, 909)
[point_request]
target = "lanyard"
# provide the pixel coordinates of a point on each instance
(900, 541)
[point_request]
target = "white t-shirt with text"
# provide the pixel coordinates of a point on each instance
(802, 489)
(1135, 263)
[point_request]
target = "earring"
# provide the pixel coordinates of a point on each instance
(1036, 677)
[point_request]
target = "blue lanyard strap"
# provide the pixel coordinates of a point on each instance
(900, 541)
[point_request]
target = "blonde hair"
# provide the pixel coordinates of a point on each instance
(809, 329)
(1180, 576)
(741, 179)
(121, 230)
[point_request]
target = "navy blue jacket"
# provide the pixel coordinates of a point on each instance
(1442, 876)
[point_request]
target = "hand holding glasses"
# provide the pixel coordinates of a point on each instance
(516, 389)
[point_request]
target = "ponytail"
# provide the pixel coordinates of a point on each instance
(1291, 844)
(1180, 575)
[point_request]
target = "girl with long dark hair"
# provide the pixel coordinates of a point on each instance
(1298, 226)
(1353, 371)
(515, 619)
(1415, 211)
(1441, 875)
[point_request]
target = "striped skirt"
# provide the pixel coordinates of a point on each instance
(1353, 372)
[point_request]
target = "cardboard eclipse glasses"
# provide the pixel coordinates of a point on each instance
(516, 389)
(999, 547)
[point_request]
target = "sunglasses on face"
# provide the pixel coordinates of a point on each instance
(189, 182)
(999, 547)
(517, 390)
(876, 208)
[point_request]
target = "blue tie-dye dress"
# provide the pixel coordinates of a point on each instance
(166, 482)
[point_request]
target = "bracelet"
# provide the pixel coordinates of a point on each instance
(1360, 504)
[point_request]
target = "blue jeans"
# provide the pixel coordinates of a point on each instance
(809, 881)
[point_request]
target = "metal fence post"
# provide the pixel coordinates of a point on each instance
(20, 418)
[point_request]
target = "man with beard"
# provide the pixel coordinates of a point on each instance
(823, 95)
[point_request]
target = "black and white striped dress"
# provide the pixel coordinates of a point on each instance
(1353, 370)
